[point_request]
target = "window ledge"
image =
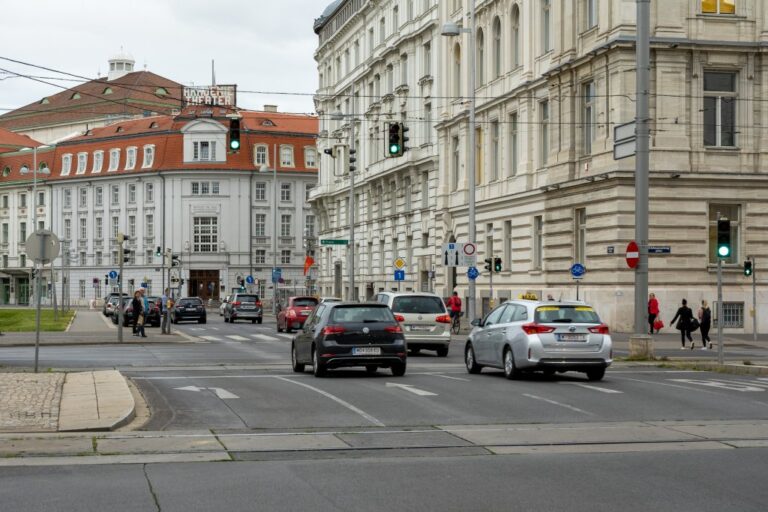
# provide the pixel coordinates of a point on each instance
(719, 16)
(723, 149)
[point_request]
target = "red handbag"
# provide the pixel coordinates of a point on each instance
(658, 324)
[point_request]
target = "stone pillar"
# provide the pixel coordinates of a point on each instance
(641, 347)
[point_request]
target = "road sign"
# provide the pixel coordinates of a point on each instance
(659, 249)
(633, 254)
(249, 279)
(578, 270)
(451, 253)
(42, 246)
(113, 274)
(611, 249)
(624, 140)
(459, 254)
(144, 285)
(277, 275)
(334, 242)
(473, 273)
(399, 275)
(399, 263)
(468, 255)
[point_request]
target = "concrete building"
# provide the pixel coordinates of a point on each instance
(377, 64)
(166, 182)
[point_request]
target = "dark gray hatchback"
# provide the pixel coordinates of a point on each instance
(341, 334)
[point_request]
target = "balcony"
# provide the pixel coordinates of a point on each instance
(260, 240)
(287, 240)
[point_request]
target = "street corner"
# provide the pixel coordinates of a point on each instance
(95, 401)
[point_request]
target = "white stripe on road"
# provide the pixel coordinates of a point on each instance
(558, 404)
(603, 390)
(729, 385)
(237, 338)
(442, 376)
(211, 338)
(264, 337)
(337, 400)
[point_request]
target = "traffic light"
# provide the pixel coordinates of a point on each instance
(158, 251)
(127, 255)
(395, 140)
(403, 138)
(723, 238)
(352, 160)
(748, 268)
(488, 265)
(234, 134)
(175, 260)
(497, 264)
(106, 279)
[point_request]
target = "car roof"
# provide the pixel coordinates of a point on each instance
(410, 294)
(537, 303)
(359, 304)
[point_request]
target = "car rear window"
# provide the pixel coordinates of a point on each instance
(247, 298)
(308, 301)
(358, 314)
(566, 314)
(190, 302)
(418, 304)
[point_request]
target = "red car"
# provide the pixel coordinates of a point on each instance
(295, 313)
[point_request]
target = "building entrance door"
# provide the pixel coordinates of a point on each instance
(22, 286)
(203, 284)
(5, 291)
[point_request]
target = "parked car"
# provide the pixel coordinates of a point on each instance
(342, 334)
(330, 299)
(425, 320)
(243, 306)
(293, 315)
(109, 304)
(152, 319)
(188, 308)
(126, 314)
(523, 335)
(223, 304)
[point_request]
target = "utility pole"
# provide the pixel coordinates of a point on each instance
(120, 310)
(352, 169)
(754, 299)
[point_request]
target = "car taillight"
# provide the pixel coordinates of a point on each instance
(600, 329)
(236, 303)
(333, 329)
(393, 328)
(400, 318)
(258, 303)
(536, 329)
(443, 319)
(291, 314)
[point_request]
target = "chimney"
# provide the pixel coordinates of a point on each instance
(270, 108)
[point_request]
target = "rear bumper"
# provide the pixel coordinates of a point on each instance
(246, 314)
(428, 342)
(575, 365)
(342, 361)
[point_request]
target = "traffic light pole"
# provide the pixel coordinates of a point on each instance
(754, 300)
(120, 309)
(720, 310)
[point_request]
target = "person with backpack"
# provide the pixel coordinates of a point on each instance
(705, 323)
(684, 324)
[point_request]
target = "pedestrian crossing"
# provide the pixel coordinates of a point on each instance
(236, 338)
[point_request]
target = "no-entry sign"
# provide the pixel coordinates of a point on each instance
(633, 254)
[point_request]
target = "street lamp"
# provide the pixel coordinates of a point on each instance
(264, 168)
(451, 29)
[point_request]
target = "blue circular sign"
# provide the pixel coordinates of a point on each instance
(578, 270)
(473, 273)
(249, 279)
(113, 274)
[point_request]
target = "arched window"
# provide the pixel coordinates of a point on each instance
(456, 90)
(480, 57)
(496, 47)
(515, 36)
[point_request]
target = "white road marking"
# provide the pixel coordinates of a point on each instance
(220, 392)
(237, 338)
(108, 321)
(558, 403)
(603, 390)
(215, 328)
(264, 337)
(337, 400)
(408, 387)
(285, 336)
(211, 338)
(442, 376)
(721, 385)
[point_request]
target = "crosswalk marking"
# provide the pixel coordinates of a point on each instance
(265, 337)
(211, 338)
(237, 338)
(596, 388)
(743, 386)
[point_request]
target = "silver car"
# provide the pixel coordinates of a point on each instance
(523, 335)
(425, 321)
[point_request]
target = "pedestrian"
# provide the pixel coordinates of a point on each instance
(145, 304)
(705, 322)
(683, 325)
(137, 317)
(164, 313)
(653, 310)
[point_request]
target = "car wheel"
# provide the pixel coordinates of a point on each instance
(470, 361)
(398, 369)
(297, 366)
(371, 368)
(278, 327)
(549, 372)
(415, 351)
(318, 368)
(202, 321)
(442, 352)
(596, 374)
(259, 320)
(510, 371)
(253, 321)
(226, 320)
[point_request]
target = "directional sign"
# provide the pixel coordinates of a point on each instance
(113, 274)
(473, 273)
(633, 254)
(399, 263)
(578, 270)
(399, 275)
(249, 279)
(277, 275)
(450, 254)
(334, 242)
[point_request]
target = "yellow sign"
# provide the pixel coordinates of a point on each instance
(548, 308)
(584, 309)
(528, 296)
(399, 263)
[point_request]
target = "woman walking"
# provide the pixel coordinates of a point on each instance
(683, 325)
(705, 322)
(653, 310)
(138, 314)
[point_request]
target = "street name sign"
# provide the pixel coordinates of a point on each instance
(334, 242)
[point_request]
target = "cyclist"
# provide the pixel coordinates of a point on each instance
(454, 307)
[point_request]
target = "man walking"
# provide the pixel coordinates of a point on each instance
(165, 327)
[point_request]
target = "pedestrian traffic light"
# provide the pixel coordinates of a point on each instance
(497, 264)
(723, 238)
(234, 134)
(748, 268)
(488, 265)
(395, 140)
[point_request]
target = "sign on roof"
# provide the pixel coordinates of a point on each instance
(211, 95)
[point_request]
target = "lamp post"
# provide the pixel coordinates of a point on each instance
(275, 282)
(451, 29)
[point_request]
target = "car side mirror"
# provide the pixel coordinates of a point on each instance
(476, 322)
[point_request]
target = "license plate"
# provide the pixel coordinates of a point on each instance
(420, 328)
(304, 313)
(248, 307)
(366, 351)
(571, 337)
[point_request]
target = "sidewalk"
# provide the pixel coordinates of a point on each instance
(90, 327)
(64, 402)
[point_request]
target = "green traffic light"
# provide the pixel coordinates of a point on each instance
(394, 149)
(723, 251)
(234, 144)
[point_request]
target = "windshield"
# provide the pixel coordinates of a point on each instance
(305, 302)
(360, 314)
(418, 304)
(566, 315)
(190, 302)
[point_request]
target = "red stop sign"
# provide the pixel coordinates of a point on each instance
(633, 254)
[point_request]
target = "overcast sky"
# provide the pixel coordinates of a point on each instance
(260, 45)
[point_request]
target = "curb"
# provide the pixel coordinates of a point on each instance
(71, 321)
(705, 366)
(95, 401)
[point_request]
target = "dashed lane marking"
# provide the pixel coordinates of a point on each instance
(576, 409)
(596, 388)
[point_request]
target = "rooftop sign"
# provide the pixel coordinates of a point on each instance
(211, 95)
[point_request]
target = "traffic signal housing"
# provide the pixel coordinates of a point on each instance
(175, 260)
(234, 134)
(158, 251)
(395, 140)
(127, 255)
(723, 238)
(748, 268)
(488, 265)
(497, 264)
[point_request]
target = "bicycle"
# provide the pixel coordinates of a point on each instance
(456, 323)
